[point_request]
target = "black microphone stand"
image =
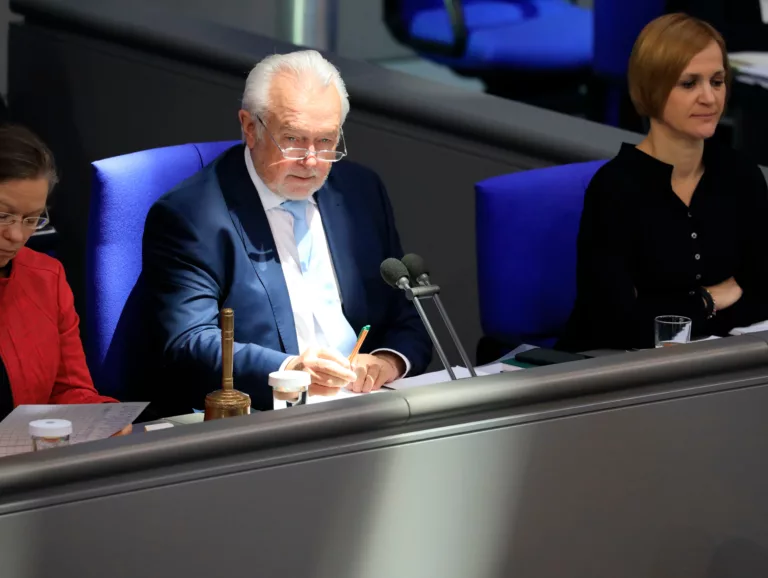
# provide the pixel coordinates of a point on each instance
(434, 293)
(414, 294)
(454, 336)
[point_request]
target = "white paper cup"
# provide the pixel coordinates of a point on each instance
(289, 381)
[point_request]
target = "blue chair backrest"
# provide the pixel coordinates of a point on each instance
(409, 8)
(617, 23)
(123, 190)
(527, 225)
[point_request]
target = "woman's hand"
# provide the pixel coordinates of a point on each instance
(725, 294)
(125, 431)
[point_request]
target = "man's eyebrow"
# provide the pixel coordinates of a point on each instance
(293, 128)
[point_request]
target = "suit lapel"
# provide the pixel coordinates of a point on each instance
(251, 222)
(338, 226)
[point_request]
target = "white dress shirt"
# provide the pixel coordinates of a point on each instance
(309, 333)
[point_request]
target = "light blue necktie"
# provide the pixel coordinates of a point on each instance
(300, 231)
(334, 326)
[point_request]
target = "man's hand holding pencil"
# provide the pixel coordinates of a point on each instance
(360, 372)
(328, 369)
(375, 370)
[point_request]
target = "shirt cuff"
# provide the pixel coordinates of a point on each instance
(285, 363)
(400, 355)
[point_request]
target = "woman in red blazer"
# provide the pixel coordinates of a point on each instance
(41, 356)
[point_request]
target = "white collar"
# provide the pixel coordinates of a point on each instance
(269, 199)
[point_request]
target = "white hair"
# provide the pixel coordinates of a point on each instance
(299, 64)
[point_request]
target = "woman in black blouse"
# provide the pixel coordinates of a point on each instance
(675, 225)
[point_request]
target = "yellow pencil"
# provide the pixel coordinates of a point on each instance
(359, 344)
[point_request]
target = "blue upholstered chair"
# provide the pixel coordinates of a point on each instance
(491, 39)
(527, 224)
(123, 190)
(616, 27)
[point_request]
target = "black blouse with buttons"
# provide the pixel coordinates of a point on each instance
(641, 252)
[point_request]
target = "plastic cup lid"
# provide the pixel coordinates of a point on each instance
(50, 428)
(290, 380)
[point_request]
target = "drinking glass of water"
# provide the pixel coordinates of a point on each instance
(672, 330)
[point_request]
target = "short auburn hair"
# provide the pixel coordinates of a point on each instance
(660, 54)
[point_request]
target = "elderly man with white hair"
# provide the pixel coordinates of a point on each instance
(290, 236)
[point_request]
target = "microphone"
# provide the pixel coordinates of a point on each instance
(417, 268)
(418, 271)
(396, 275)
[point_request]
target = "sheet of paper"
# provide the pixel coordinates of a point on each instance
(434, 377)
(519, 349)
(762, 326)
(313, 399)
(90, 422)
(158, 426)
(343, 394)
(493, 368)
(407, 383)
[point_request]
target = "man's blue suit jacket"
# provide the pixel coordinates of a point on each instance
(207, 246)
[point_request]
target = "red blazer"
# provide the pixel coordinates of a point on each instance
(40, 336)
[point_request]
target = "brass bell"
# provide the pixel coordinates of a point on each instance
(227, 401)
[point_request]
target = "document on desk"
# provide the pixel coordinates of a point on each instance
(438, 377)
(761, 326)
(90, 422)
(313, 399)
(343, 394)
(407, 383)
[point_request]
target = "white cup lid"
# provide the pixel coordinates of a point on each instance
(290, 380)
(50, 428)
